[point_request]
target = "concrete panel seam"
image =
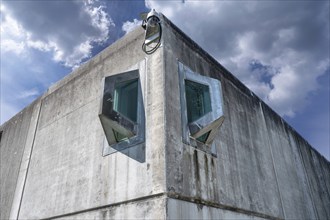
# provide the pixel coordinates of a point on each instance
(30, 155)
(18, 177)
(308, 182)
(158, 195)
(12, 207)
(173, 195)
(273, 164)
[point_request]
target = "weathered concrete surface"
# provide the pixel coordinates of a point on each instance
(318, 179)
(25, 162)
(67, 172)
(291, 177)
(262, 165)
(15, 145)
(52, 164)
(150, 208)
(177, 209)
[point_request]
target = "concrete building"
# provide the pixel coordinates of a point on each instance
(56, 161)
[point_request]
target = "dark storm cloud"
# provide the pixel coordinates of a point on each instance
(228, 22)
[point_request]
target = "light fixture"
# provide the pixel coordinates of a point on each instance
(153, 31)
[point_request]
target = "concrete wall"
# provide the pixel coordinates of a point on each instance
(67, 173)
(146, 208)
(15, 149)
(262, 168)
(178, 209)
(52, 164)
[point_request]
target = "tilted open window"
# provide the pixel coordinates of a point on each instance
(122, 113)
(201, 103)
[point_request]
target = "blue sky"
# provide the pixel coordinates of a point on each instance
(279, 49)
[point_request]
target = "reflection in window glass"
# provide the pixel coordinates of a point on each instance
(125, 99)
(119, 137)
(204, 137)
(198, 101)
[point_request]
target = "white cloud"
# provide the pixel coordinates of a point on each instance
(10, 27)
(12, 46)
(128, 26)
(39, 45)
(67, 29)
(291, 49)
(12, 34)
(31, 93)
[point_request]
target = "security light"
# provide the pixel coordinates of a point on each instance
(153, 31)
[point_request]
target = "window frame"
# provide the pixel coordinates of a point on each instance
(112, 120)
(211, 121)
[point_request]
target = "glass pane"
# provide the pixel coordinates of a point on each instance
(125, 99)
(204, 137)
(198, 100)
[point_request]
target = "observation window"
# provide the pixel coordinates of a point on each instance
(201, 108)
(122, 112)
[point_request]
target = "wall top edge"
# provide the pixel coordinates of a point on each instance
(232, 79)
(83, 68)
